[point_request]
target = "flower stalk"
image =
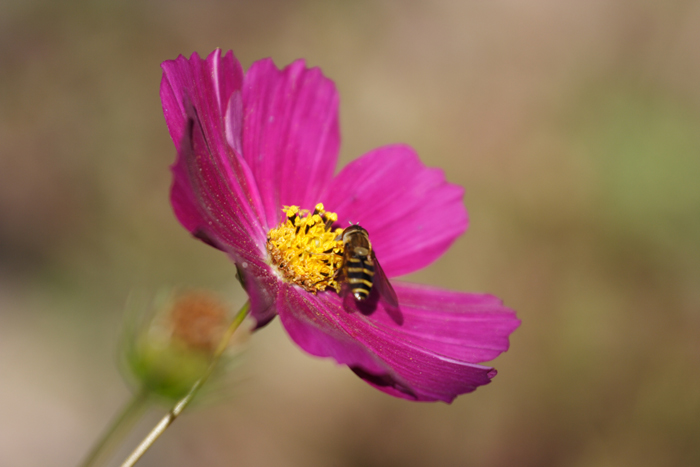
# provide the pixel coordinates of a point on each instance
(119, 428)
(177, 409)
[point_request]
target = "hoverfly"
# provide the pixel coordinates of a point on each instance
(363, 280)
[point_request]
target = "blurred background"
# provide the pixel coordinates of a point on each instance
(573, 126)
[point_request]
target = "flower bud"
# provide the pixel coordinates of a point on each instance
(174, 348)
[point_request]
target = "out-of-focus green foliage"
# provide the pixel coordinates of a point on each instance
(645, 146)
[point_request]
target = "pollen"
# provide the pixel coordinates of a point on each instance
(305, 249)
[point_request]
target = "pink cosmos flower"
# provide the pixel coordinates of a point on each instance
(252, 144)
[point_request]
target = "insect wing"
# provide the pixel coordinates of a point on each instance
(381, 282)
(386, 292)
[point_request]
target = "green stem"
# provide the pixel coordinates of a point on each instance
(170, 417)
(118, 429)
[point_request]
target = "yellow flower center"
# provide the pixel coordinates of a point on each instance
(305, 249)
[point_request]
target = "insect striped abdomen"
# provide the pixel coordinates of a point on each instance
(360, 274)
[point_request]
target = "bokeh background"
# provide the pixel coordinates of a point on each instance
(573, 126)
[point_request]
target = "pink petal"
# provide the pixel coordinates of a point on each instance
(290, 134)
(463, 326)
(315, 326)
(208, 84)
(214, 194)
(261, 285)
(411, 212)
(431, 356)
